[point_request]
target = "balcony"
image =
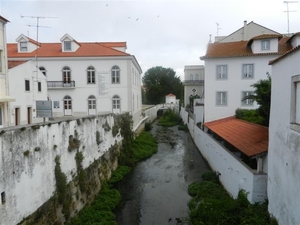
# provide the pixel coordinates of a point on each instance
(193, 82)
(60, 85)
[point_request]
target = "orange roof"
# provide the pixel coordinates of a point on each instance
(264, 36)
(249, 138)
(240, 49)
(284, 55)
(170, 95)
(96, 49)
(12, 64)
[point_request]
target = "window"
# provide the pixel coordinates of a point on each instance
(1, 122)
(116, 102)
(91, 75)
(66, 72)
(92, 102)
(221, 72)
(197, 77)
(115, 75)
(67, 102)
(0, 61)
(247, 101)
(295, 103)
(3, 198)
(27, 85)
(39, 86)
(221, 98)
(23, 46)
(67, 46)
(248, 71)
(191, 77)
(43, 70)
(265, 45)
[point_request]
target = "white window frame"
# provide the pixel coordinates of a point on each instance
(1, 61)
(295, 103)
(91, 75)
(246, 71)
(116, 102)
(67, 46)
(66, 74)
(221, 72)
(265, 44)
(115, 75)
(23, 46)
(28, 85)
(39, 84)
(247, 102)
(92, 102)
(1, 115)
(221, 98)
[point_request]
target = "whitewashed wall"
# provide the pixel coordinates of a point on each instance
(284, 145)
(29, 181)
(235, 175)
(233, 85)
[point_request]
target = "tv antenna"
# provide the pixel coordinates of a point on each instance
(288, 12)
(218, 28)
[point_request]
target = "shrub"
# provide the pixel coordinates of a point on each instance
(148, 126)
(250, 115)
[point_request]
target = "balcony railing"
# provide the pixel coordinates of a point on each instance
(193, 81)
(60, 84)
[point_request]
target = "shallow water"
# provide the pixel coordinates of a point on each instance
(155, 192)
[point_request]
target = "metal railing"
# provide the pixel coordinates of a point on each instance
(60, 84)
(193, 81)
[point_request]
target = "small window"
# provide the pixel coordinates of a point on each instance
(67, 102)
(27, 85)
(43, 70)
(66, 72)
(221, 98)
(0, 61)
(265, 45)
(3, 198)
(197, 77)
(116, 102)
(191, 77)
(115, 75)
(92, 102)
(1, 122)
(248, 71)
(67, 45)
(221, 72)
(23, 46)
(295, 103)
(39, 86)
(247, 102)
(91, 75)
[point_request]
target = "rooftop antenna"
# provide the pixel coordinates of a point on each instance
(218, 28)
(288, 12)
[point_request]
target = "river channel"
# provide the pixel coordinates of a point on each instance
(155, 191)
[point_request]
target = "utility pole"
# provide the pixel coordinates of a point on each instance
(288, 12)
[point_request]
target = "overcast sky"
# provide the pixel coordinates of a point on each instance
(164, 33)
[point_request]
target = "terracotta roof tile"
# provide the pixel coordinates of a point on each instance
(284, 55)
(249, 138)
(240, 49)
(97, 49)
(295, 34)
(12, 64)
(170, 95)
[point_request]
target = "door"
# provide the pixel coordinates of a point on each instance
(29, 115)
(17, 116)
(67, 106)
(1, 116)
(116, 104)
(92, 105)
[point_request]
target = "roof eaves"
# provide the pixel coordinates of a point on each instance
(284, 55)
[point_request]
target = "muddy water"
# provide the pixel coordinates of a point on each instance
(155, 192)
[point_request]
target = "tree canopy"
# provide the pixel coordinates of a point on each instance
(159, 82)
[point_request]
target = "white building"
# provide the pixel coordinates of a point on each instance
(85, 78)
(284, 137)
(4, 97)
(232, 67)
(170, 99)
(29, 85)
(193, 82)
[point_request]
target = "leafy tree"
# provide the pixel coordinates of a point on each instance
(159, 82)
(262, 95)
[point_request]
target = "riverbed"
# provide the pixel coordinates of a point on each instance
(155, 191)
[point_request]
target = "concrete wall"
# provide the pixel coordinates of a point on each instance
(234, 174)
(284, 150)
(28, 181)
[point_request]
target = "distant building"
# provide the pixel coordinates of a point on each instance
(170, 99)
(85, 78)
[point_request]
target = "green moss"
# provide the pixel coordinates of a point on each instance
(26, 153)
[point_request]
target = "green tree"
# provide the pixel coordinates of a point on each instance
(159, 82)
(262, 95)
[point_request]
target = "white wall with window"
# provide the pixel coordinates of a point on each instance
(31, 86)
(284, 136)
(265, 45)
(221, 72)
(255, 67)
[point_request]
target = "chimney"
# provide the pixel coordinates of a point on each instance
(209, 39)
(245, 31)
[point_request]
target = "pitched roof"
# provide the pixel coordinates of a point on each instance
(249, 138)
(240, 49)
(92, 49)
(264, 36)
(284, 55)
(5, 20)
(294, 35)
(170, 95)
(12, 64)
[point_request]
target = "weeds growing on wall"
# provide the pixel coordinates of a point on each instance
(74, 141)
(169, 119)
(212, 205)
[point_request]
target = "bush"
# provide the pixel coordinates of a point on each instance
(250, 115)
(169, 119)
(148, 126)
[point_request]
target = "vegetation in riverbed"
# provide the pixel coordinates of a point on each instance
(212, 205)
(170, 118)
(144, 146)
(119, 173)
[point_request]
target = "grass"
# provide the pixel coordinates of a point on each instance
(169, 119)
(144, 146)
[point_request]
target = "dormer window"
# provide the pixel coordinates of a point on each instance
(23, 46)
(265, 45)
(67, 46)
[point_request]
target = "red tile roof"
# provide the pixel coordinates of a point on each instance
(264, 36)
(96, 49)
(295, 34)
(240, 49)
(170, 95)
(249, 138)
(12, 64)
(284, 55)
